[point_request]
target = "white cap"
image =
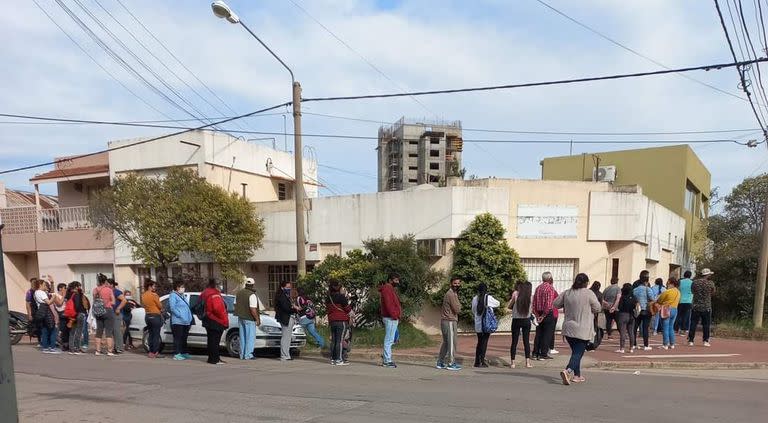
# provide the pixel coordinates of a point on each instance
(249, 282)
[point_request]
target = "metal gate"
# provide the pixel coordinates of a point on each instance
(563, 271)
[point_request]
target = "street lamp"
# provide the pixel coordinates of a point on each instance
(223, 11)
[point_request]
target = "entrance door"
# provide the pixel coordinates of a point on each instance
(87, 273)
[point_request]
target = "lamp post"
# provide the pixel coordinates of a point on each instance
(7, 379)
(222, 10)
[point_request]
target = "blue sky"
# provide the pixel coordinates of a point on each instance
(418, 44)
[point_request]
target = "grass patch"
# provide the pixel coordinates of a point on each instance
(410, 337)
(739, 329)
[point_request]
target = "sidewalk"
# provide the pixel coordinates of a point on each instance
(724, 354)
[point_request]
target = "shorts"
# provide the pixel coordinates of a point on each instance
(105, 325)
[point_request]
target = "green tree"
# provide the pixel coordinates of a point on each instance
(735, 239)
(481, 254)
(362, 272)
(163, 218)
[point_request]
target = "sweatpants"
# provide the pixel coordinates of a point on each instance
(450, 331)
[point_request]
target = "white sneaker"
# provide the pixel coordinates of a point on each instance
(663, 347)
(707, 344)
(647, 348)
(672, 347)
(690, 344)
(619, 351)
(553, 351)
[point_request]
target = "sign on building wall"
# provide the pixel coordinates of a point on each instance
(547, 221)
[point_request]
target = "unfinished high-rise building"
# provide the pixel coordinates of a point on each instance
(413, 153)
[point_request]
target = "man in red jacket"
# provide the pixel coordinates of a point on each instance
(216, 319)
(390, 314)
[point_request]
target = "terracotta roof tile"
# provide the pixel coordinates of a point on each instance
(74, 171)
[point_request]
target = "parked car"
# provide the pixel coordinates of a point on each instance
(267, 335)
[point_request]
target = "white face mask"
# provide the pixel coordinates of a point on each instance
(181, 290)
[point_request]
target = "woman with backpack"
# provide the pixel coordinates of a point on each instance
(625, 316)
(307, 317)
(581, 306)
(482, 307)
(520, 304)
(153, 317)
(181, 320)
(338, 308)
(103, 300)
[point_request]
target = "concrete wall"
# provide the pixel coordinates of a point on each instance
(69, 196)
(19, 268)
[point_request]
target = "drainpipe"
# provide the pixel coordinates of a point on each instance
(37, 208)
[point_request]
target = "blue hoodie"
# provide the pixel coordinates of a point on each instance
(179, 308)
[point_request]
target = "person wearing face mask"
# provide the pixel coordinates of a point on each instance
(449, 327)
(390, 314)
(285, 312)
(181, 320)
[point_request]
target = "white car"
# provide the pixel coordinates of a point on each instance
(267, 335)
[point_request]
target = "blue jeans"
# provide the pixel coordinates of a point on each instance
(390, 327)
(48, 339)
(309, 326)
(578, 346)
(669, 327)
(85, 329)
(247, 338)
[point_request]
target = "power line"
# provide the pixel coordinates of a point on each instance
(738, 67)
(97, 62)
(131, 121)
(633, 51)
(747, 41)
(717, 66)
(350, 172)
(530, 132)
(363, 58)
(18, 169)
(761, 88)
(369, 137)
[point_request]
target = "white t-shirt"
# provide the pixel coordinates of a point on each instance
(255, 302)
(41, 297)
(492, 303)
(60, 308)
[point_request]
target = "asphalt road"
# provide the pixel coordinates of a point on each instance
(132, 388)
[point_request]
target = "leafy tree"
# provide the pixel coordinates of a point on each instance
(734, 252)
(362, 272)
(163, 218)
(482, 254)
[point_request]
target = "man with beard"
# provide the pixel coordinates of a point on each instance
(449, 327)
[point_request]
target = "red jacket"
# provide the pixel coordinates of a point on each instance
(390, 303)
(338, 308)
(215, 308)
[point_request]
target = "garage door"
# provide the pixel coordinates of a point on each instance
(563, 271)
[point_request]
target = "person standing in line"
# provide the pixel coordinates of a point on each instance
(580, 306)
(669, 301)
(248, 311)
(390, 314)
(130, 305)
(45, 317)
(338, 307)
(449, 321)
(35, 330)
(520, 304)
(59, 300)
(307, 317)
(284, 314)
(216, 320)
(703, 289)
(482, 303)
(105, 325)
(625, 317)
(82, 305)
(686, 304)
(153, 317)
(545, 316)
(181, 320)
(611, 296)
(644, 296)
(657, 289)
(595, 288)
(118, 307)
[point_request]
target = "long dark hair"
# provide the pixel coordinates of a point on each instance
(626, 289)
(482, 290)
(595, 287)
(581, 281)
(523, 302)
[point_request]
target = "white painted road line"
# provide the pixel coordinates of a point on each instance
(679, 356)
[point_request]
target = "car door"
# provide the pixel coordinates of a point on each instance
(197, 331)
(166, 336)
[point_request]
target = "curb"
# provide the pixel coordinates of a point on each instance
(493, 361)
(678, 365)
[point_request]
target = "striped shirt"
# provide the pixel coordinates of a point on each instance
(543, 298)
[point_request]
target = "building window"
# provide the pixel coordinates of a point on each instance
(434, 153)
(282, 191)
(413, 155)
(413, 181)
(413, 142)
(413, 168)
(690, 199)
(434, 140)
(434, 166)
(434, 178)
(615, 269)
(279, 273)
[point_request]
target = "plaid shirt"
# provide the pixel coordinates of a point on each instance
(543, 298)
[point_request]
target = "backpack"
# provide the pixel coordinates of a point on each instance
(199, 309)
(490, 324)
(69, 308)
(98, 309)
(309, 309)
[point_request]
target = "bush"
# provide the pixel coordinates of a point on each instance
(410, 337)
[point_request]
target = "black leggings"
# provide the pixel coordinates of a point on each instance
(482, 346)
(524, 326)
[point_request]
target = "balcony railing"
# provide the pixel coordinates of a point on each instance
(22, 220)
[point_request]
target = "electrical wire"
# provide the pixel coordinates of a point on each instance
(349, 172)
(132, 121)
(28, 167)
(750, 48)
(717, 66)
(738, 65)
(633, 51)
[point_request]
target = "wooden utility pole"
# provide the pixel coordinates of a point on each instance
(762, 272)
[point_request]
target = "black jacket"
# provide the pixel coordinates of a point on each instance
(283, 308)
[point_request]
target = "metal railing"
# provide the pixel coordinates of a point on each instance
(22, 220)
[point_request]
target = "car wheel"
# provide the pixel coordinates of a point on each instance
(233, 343)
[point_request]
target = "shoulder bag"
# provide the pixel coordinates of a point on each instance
(490, 324)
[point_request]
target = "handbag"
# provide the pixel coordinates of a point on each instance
(490, 324)
(664, 312)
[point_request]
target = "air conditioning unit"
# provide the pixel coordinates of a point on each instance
(604, 174)
(434, 247)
